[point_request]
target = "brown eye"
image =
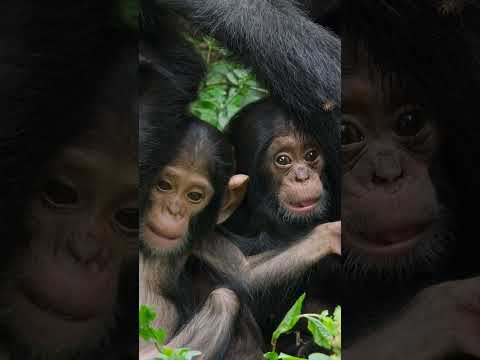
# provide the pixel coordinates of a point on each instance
(195, 196)
(410, 123)
(351, 134)
(311, 155)
(164, 185)
(57, 193)
(283, 160)
(127, 218)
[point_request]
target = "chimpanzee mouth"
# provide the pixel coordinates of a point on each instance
(159, 235)
(397, 241)
(53, 311)
(304, 205)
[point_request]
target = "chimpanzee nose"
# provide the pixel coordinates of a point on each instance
(387, 169)
(301, 174)
(86, 248)
(174, 207)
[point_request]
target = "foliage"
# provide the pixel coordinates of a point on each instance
(128, 13)
(227, 87)
(157, 336)
(325, 329)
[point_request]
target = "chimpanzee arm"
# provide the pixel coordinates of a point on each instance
(262, 271)
(298, 59)
(277, 267)
(210, 331)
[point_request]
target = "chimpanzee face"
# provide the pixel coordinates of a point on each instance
(391, 216)
(295, 164)
(83, 223)
(180, 193)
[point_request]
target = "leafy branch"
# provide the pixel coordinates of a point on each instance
(227, 88)
(325, 329)
(158, 336)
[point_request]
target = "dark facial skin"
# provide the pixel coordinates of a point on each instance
(84, 224)
(296, 166)
(389, 204)
(180, 193)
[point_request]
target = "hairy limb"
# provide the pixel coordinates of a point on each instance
(167, 319)
(247, 344)
(210, 331)
(441, 321)
(280, 266)
(262, 271)
(299, 60)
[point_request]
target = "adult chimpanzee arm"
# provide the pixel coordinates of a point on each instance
(210, 331)
(298, 59)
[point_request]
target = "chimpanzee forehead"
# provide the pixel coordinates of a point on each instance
(292, 141)
(395, 85)
(195, 160)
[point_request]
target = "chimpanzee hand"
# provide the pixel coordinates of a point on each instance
(326, 239)
(442, 321)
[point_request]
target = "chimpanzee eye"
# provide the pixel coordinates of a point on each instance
(127, 218)
(351, 134)
(164, 185)
(283, 160)
(311, 155)
(58, 193)
(195, 196)
(410, 123)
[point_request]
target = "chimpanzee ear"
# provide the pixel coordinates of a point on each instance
(236, 190)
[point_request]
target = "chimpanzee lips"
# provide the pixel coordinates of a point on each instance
(303, 205)
(398, 240)
(163, 234)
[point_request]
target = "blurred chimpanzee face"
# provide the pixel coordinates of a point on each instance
(391, 214)
(83, 223)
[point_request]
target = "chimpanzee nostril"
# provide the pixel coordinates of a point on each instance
(174, 208)
(84, 248)
(301, 174)
(387, 169)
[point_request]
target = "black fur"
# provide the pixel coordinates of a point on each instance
(436, 56)
(170, 72)
(299, 60)
(59, 66)
(251, 131)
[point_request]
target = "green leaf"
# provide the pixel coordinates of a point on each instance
(146, 315)
(289, 357)
(159, 336)
(290, 320)
(220, 68)
(318, 356)
(167, 351)
(128, 12)
(321, 334)
(271, 356)
(337, 315)
(241, 73)
(232, 78)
